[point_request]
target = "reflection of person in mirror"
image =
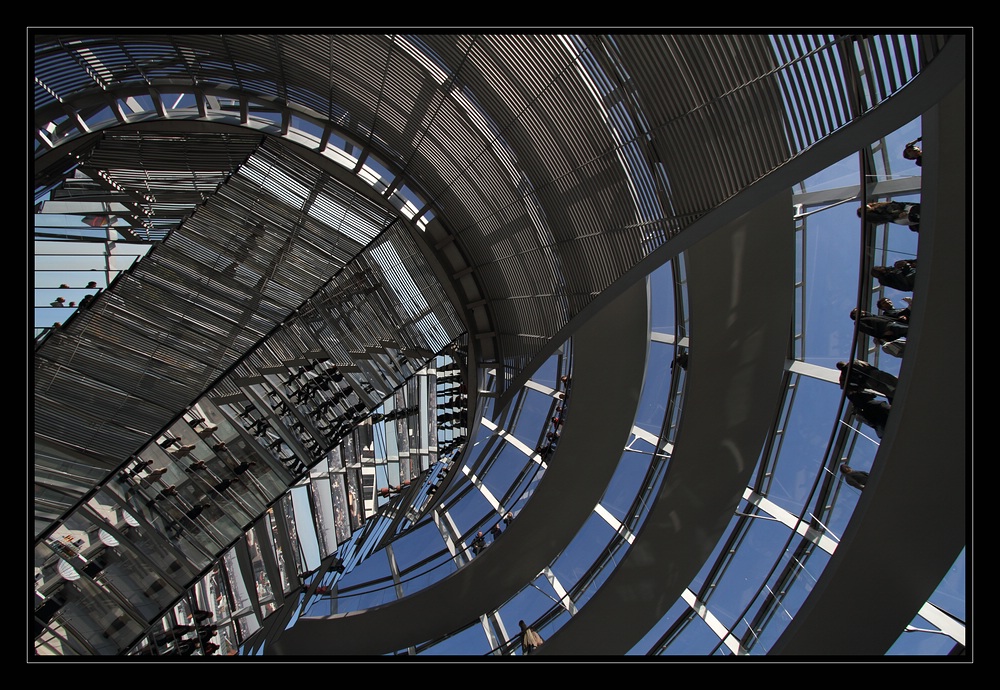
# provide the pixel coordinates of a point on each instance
(912, 152)
(900, 213)
(856, 478)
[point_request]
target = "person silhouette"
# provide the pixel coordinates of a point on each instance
(886, 307)
(530, 640)
(901, 276)
(856, 478)
(862, 376)
(898, 212)
(880, 327)
(874, 413)
(912, 152)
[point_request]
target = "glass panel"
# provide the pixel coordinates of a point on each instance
(950, 594)
(655, 388)
(534, 421)
(420, 543)
(529, 605)
(472, 641)
(590, 545)
(661, 307)
(548, 374)
(833, 248)
(626, 484)
(746, 570)
(699, 640)
(803, 448)
(436, 570)
(648, 643)
(504, 472)
(470, 513)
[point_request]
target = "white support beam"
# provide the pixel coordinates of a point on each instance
(667, 448)
(813, 371)
(944, 622)
(487, 494)
(560, 591)
(791, 521)
(714, 624)
(669, 338)
(541, 387)
(615, 523)
(514, 441)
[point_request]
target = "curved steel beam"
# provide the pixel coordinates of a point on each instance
(740, 291)
(609, 358)
(912, 520)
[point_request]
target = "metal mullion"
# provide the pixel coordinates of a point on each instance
(805, 95)
(834, 78)
(813, 71)
(787, 88)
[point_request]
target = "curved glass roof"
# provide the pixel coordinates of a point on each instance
(777, 541)
(345, 456)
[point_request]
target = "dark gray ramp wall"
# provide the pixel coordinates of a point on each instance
(609, 359)
(912, 519)
(740, 288)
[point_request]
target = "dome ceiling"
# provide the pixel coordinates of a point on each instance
(365, 200)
